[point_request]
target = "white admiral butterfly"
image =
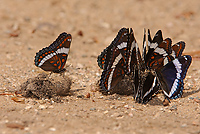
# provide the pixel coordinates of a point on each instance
(161, 65)
(53, 58)
(112, 60)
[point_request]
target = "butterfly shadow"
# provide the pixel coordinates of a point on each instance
(73, 92)
(186, 94)
(155, 101)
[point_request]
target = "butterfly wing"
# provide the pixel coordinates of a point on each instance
(148, 87)
(133, 56)
(177, 49)
(165, 58)
(152, 44)
(113, 62)
(161, 55)
(112, 76)
(53, 58)
(120, 41)
(148, 84)
(172, 75)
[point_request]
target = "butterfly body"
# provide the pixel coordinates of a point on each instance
(53, 58)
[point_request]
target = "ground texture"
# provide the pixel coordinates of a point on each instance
(26, 26)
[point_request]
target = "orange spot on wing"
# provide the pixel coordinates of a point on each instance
(60, 64)
(152, 57)
(55, 64)
(63, 60)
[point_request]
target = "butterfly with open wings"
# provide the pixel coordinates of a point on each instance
(161, 66)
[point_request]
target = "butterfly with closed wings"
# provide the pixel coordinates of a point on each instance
(53, 58)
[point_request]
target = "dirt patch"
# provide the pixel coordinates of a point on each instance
(44, 87)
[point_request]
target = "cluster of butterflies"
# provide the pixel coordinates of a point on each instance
(160, 67)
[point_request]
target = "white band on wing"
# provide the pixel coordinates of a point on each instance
(122, 45)
(49, 56)
(117, 59)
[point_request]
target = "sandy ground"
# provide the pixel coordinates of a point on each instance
(26, 26)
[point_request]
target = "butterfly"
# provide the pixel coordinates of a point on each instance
(112, 60)
(53, 57)
(160, 66)
(167, 66)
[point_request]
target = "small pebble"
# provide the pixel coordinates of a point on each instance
(183, 125)
(116, 115)
(197, 100)
(92, 109)
(80, 33)
(41, 107)
(191, 98)
(51, 107)
(87, 95)
(113, 107)
(126, 106)
(80, 96)
(105, 112)
(101, 97)
(196, 122)
(172, 108)
(130, 114)
(166, 102)
(98, 74)
(28, 107)
(26, 128)
(52, 129)
(42, 101)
